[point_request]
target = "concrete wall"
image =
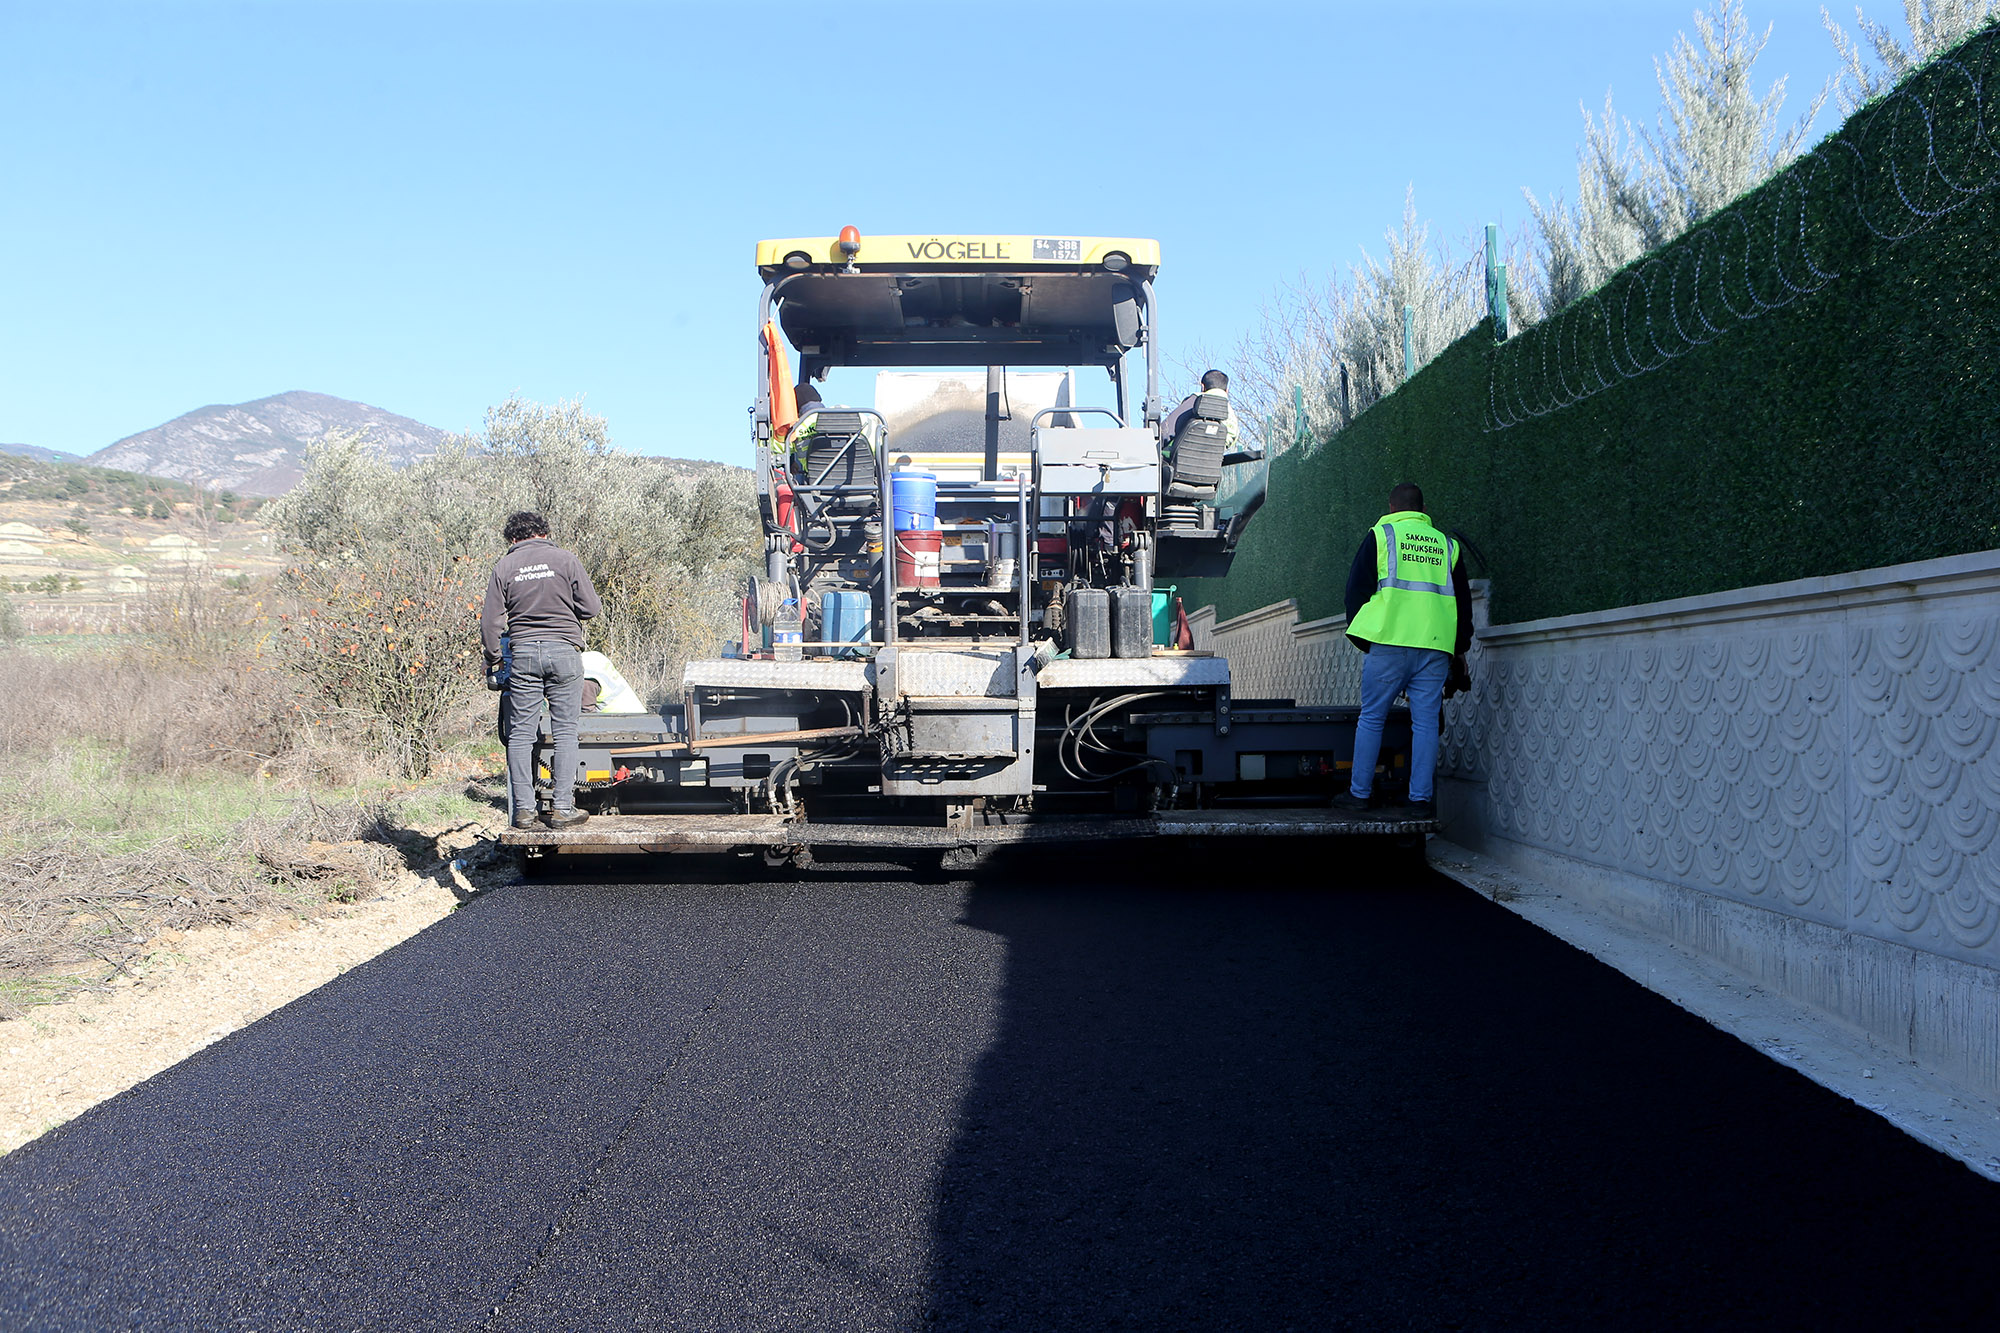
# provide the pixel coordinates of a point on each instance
(1799, 780)
(1274, 656)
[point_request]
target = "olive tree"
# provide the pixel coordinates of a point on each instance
(1636, 189)
(380, 596)
(1933, 26)
(667, 551)
(386, 567)
(1335, 346)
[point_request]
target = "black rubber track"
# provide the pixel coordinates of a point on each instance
(1231, 1091)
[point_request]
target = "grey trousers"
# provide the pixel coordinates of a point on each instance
(543, 670)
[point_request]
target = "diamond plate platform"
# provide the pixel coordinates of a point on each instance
(979, 673)
(1132, 672)
(749, 673)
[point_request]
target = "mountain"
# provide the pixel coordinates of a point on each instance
(40, 454)
(259, 448)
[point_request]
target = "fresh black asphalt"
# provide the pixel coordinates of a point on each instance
(1239, 1091)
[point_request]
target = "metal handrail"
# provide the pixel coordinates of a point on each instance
(885, 566)
(1036, 420)
(760, 405)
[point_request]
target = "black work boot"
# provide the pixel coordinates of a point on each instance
(527, 819)
(1348, 801)
(567, 818)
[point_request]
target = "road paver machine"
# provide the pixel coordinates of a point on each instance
(966, 632)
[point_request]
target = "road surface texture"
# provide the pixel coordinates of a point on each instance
(1242, 1091)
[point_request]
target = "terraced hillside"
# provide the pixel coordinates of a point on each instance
(88, 548)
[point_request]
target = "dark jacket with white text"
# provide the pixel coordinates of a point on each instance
(538, 591)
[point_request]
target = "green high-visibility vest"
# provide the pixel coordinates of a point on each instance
(802, 431)
(1413, 603)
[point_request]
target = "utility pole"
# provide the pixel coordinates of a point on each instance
(1409, 342)
(1299, 416)
(1496, 283)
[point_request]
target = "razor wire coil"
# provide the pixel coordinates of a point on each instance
(1893, 168)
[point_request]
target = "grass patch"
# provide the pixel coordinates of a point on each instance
(87, 885)
(93, 791)
(143, 792)
(439, 805)
(21, 993)
(98, 857)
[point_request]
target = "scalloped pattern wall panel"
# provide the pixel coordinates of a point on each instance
(1272, 656)
(1828, 750)
(1841, 768)
(1924, 796)
(1715, 764)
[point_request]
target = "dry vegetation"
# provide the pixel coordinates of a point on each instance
(275, 747)
(148, 792)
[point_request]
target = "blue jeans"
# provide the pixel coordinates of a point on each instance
(551, 670)
(1387, 671)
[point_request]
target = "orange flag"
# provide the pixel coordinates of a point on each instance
(784, 404)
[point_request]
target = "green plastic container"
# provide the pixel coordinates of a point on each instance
(1163, 614)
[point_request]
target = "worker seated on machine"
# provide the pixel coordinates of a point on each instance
(807, 428)
(798, 435)
(1211, 403)
(832, 445)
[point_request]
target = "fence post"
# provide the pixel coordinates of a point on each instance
(1298, 416)
(1492, 270)
(1409, 341)
(1496, 283)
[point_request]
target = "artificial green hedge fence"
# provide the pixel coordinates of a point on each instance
(1807, 383)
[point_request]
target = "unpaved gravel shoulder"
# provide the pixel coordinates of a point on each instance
(195, 987)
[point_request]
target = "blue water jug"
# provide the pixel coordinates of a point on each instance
(914, 497)
(845, 617)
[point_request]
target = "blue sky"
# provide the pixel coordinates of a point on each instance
(429, 206)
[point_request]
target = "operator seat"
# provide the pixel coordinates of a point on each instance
(841, 452)
(1197, 450)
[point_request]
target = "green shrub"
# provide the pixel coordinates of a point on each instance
(387, 567)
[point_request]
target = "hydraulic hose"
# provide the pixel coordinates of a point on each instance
(1077, 730)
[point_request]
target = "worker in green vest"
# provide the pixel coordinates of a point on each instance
(1409, 609)
(800, 437)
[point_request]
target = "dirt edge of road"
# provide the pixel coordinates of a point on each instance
(195, 987)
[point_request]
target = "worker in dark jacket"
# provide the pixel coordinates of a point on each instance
(1409, 609)
(539, 596)
(1212, 381)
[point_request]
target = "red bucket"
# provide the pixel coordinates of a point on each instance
(917, 556)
